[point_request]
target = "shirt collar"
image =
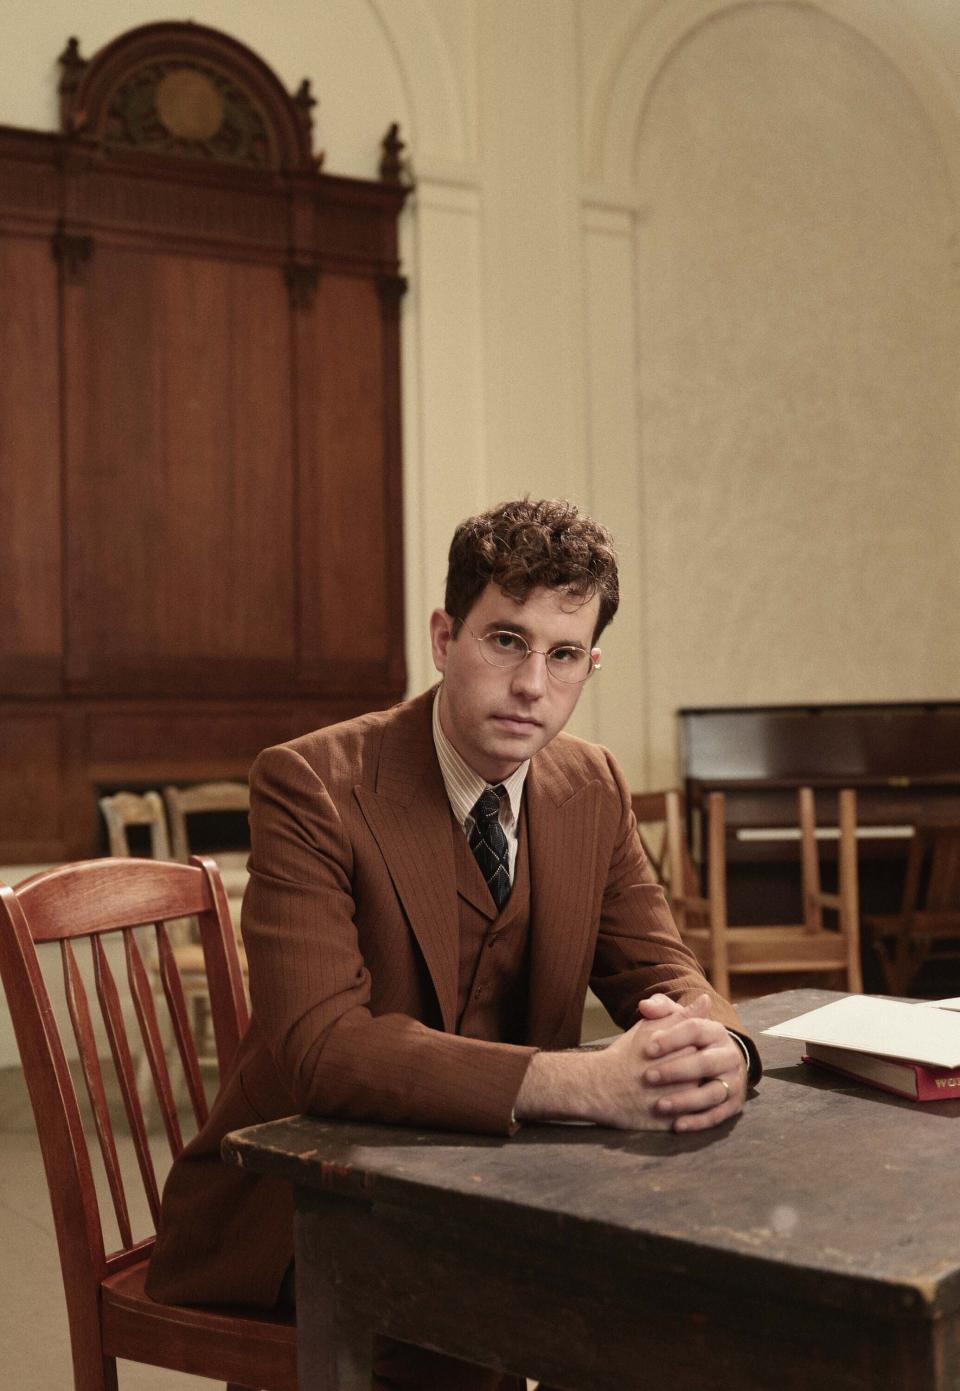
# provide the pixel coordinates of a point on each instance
(463, 785)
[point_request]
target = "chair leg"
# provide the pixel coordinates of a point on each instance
(99, 1374)
(884, 956)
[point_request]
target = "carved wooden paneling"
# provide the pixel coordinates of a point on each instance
(31, 635)
(347, 608)
(200, 425)
(197, 208)
(32, 770)
(179, 454)
(31, 186)
(174, 743)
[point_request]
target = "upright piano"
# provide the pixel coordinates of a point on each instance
(902, 760)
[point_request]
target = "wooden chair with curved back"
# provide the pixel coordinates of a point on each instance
(203, 799)
(209, 799)
(121, 810)
(104, 905)
(796, 948)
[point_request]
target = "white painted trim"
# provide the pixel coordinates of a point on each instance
(434, 90)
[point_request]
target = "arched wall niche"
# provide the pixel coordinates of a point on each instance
(644, 45)
(438, 121)
(795, 383)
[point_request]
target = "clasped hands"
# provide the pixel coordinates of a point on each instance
(674, 1069)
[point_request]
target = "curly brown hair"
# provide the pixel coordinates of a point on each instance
(522, 545)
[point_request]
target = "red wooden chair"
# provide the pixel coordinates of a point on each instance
(109, 1313)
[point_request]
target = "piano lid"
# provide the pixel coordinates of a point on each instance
(858, 744)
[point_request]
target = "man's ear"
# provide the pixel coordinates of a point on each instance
(441, 635)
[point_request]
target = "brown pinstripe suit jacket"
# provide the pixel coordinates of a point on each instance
(350, 924)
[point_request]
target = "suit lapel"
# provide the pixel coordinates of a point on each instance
(562, 826)
(471, 885)
(409, 815)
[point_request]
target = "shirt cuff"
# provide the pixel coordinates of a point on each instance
(752, 1060)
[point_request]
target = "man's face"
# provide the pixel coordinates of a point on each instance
(495, 717)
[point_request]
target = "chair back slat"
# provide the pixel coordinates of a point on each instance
(680, 877)
(916, 853)
(76, 997)
(674, 851)
(142, 996)
(809, 861)
(177, 1005)
(943, 890)
(717, 888)
(95, 899)
(650, 813)
(849, 887)
(228, 1003)
(112, 1010)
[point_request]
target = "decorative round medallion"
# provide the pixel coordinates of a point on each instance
(189, 105)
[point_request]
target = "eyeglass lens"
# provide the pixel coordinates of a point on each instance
(506, 649)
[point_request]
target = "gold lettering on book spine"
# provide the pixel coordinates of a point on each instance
(947, 1081)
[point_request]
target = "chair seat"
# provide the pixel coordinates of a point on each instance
(250, 1349)
(935, 922)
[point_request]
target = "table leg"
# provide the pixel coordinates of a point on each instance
(334, 1342)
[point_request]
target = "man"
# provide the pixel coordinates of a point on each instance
(432, 888)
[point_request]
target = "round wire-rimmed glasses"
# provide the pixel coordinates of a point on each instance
(567, 662)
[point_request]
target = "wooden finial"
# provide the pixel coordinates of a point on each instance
(391, 162)
(72, 68)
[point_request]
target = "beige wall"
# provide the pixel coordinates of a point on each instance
(690, 262)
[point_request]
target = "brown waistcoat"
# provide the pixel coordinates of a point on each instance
(494, 947)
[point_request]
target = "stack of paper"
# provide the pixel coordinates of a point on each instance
(912, 1050)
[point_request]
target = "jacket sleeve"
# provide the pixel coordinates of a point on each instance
(639, 951)
(311, 988)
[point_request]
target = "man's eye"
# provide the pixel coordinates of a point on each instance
(507, 642)
(563, 655)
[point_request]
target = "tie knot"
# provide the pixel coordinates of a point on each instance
(487, 806)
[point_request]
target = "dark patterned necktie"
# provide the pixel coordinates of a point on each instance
(489, 844)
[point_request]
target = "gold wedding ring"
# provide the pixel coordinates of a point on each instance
(726, 1088)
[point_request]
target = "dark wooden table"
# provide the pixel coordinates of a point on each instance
(811, 1245)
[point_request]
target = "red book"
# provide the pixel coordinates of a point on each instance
(916, 1081)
